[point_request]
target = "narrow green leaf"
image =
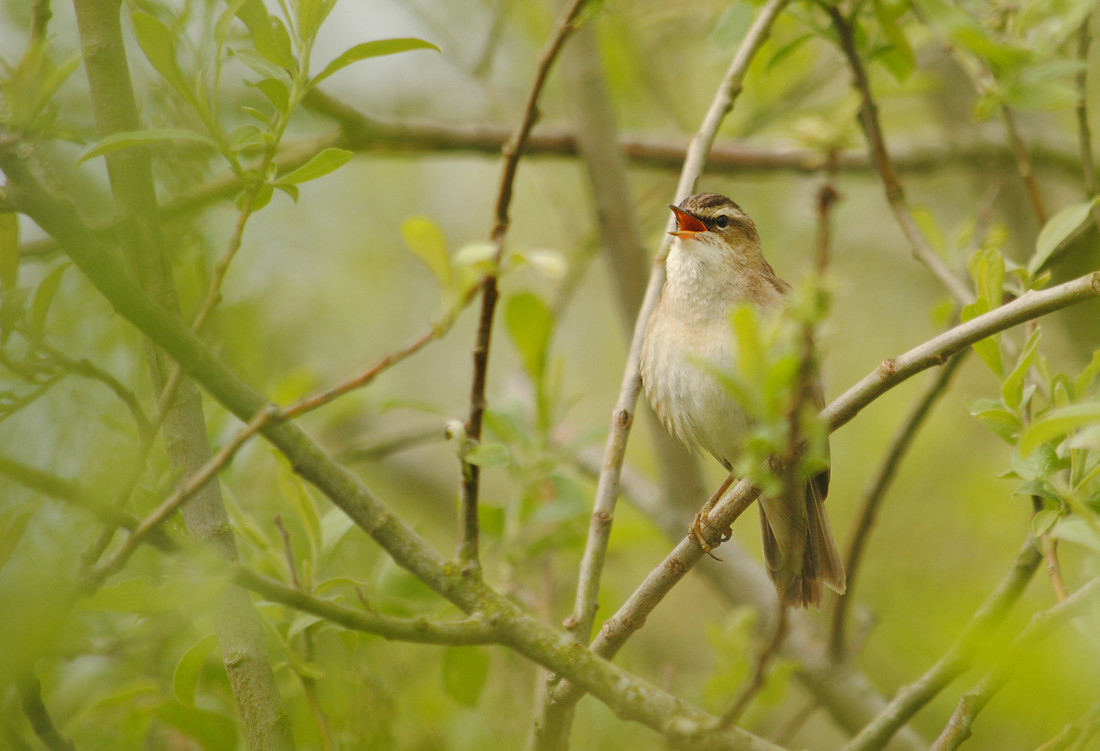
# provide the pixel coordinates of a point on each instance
(189, 668)
(276, 91)
(902, 62)
(1083, 382)
(9, 251)
(335, 524)
(159, 45)
(465, 671)
(117, 141)
(311, 14)
(530, 323)
(225, 20)
(1057, 230)
(43, 297)
(425, 240)
(301, 500)
(246, 137)
(261, 65)
(327, 161)
(1078, 531)
(751, 358)
(268, 41)
(290, 190)
(367, 50)
(1044, 520)
(13, 523)
(1012, 388)
(1058, 423)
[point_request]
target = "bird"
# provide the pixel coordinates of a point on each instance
(715, 263)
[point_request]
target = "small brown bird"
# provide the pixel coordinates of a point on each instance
(714, 264)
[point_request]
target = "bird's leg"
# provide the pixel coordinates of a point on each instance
(701, 537)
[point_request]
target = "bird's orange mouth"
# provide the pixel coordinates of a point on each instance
(687, 226)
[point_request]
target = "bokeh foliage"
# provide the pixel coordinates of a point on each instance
(353, 247)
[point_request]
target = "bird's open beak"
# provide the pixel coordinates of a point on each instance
(687, 226)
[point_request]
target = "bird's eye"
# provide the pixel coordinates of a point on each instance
(722, 222)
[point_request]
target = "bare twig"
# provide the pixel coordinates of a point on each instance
(895, 193)
(1041, 625)
(513, 150)
(876, 491)
(910, 699)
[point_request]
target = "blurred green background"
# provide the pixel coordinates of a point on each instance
(323, 287)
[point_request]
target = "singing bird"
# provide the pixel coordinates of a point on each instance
(715, 264)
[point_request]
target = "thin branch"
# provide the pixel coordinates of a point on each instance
(30, 698)
(475, 629)
(468, 497)
(1041, 625)
(895, 193)
(936, 351)
(910, 699)
(876, 491)
(1023, 163)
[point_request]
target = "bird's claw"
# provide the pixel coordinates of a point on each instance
(706, 536)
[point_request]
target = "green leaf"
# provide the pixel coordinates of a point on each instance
(276, 91)
(301, 500)
(159, 45)
(465, 671)
(751, 357)
(1012, 388)
(367, 50)
(117, 141)
(488, 455)
(221, 28)
(425, 240)
(1078, 531)
(210, 729)
(246, 137)
(1001, 422)
(311, 14)
(329, 160)
(13, 523)
(1044, 520)
(530, 323)
(44, 295)
(1083, 382)
(335, 525)
(267, 33)
(732, 25)
(1057, 230)
(262, 66)
(987, 268)
(9, 251)
(189, 668)
(1057, 424)
(1037, 464)
(902, 62)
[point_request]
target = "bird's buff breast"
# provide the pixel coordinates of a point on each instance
(677, 368)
